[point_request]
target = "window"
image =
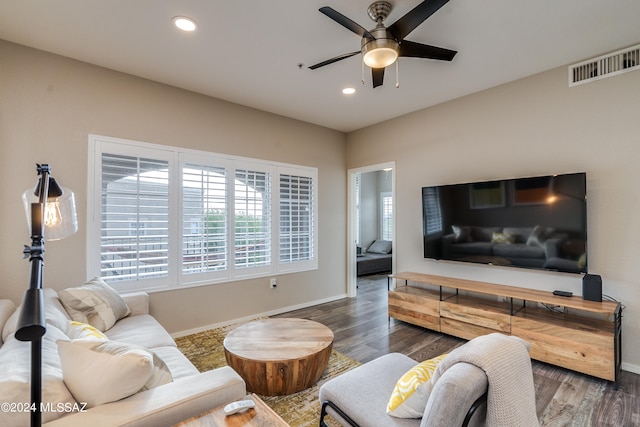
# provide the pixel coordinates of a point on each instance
(164, 217)
(386, 208)
(432, 210)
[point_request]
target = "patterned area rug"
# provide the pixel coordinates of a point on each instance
(302, 409)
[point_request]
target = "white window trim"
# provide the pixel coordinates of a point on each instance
(177, 157)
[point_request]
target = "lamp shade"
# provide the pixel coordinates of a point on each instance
(60, 218)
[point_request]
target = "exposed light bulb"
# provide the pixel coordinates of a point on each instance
(52, 216)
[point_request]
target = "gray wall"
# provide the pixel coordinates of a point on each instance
(48, 107)
(531, 127)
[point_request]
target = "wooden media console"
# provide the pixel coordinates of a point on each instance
(585, 337)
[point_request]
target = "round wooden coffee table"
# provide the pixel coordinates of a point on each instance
(279, 356)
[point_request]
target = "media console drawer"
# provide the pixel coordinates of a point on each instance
(417, 306)
(577, 343)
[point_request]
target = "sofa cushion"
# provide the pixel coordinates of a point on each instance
(461, 233)
(380, 247)
(95, 303)
(15, 377)
(411, 393)
(518, 251)
(99, 372)
(176, 361)
(143, 330)
(483, 234)
(538, 235)
(54, 314)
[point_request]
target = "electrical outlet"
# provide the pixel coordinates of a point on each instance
(273, 283)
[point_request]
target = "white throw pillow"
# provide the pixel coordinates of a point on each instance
(95, 303)
(15, 378)
(98, 372)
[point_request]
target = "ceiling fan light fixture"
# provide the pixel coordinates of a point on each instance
(380, 53)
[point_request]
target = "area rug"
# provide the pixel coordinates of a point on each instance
(302, 409)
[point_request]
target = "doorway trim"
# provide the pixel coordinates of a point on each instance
(352, 278)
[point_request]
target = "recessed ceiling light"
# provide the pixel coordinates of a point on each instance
(348, 91)
(184, 23)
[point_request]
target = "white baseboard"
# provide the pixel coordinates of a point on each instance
(631, 368)
(257, 315)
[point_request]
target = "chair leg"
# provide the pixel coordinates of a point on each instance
(333, 406)
(479, 401)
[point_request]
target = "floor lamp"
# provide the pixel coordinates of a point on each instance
(51, 212)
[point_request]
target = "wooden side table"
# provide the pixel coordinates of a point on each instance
(259, 416)
(279, 356)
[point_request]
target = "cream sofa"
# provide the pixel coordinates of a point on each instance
(188, 393)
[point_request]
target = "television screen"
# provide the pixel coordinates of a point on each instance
(537, 222)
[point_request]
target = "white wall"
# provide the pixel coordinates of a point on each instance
(48, 107)
(534, 126)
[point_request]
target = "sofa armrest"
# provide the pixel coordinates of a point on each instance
(165, 405)
(553, 245)
(138, 302)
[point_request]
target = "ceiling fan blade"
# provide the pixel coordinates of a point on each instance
(377, 75)
(332, 60)
(346, 22)
(416, 16)
(418, 50)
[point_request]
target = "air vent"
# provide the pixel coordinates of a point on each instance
(604, 66)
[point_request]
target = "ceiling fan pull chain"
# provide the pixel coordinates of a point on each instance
(397, 75)
(362, 71)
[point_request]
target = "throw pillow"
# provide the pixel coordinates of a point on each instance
(505, 238)
(461, 234)
(538, 235)
(411, 393)
(84, 331)
(95, 303)
(99, 372)
(380, 247)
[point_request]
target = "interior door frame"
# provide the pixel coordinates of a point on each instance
(352, 279)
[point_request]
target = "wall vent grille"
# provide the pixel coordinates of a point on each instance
(604, 66)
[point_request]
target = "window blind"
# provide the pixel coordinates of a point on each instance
(296, 218)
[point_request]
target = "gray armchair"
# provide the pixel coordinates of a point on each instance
(460, 396)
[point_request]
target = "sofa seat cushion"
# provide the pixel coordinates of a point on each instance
(381, 374)
(15, 377)
(178, 364)
(143, 330)
(518, 251)
(473, 248)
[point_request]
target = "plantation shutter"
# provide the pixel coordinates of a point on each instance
(204, 218)
(433, 211)
(252, 229)
(134, 226)
(296, 218)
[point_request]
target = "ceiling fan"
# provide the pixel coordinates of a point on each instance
(381, 46)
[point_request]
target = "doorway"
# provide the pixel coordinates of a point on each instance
(371, 214)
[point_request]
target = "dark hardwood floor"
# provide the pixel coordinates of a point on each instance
(563, 398)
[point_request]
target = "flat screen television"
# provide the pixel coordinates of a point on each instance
(534, 222)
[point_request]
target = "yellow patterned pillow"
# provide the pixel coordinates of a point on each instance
(410, 396)
(81, 331)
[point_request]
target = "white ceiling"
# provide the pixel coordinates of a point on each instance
(249, 51)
